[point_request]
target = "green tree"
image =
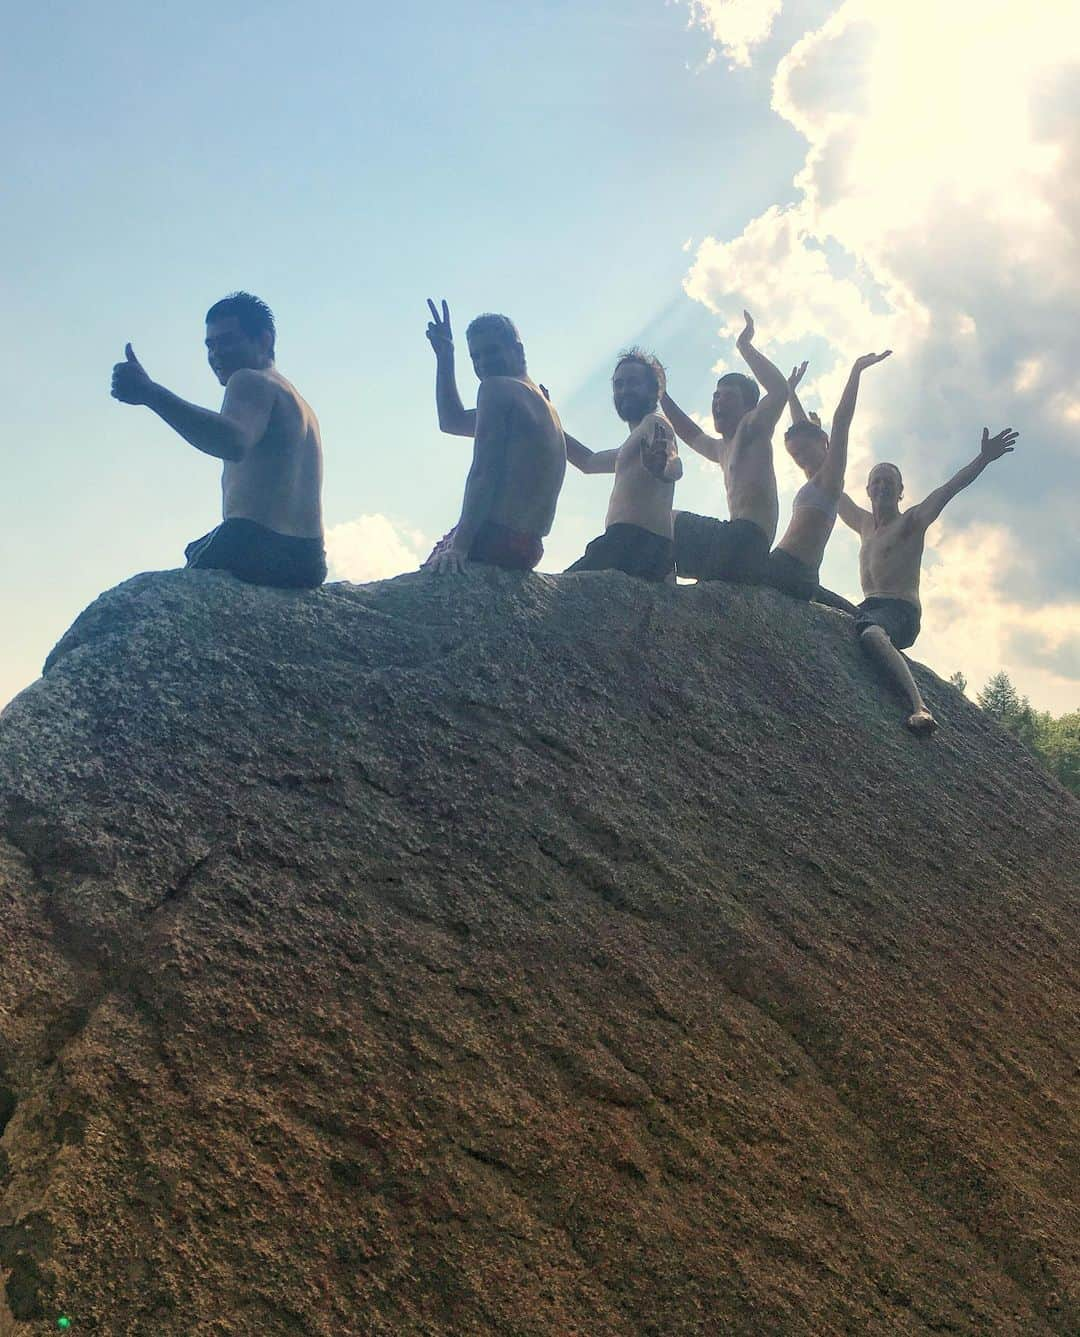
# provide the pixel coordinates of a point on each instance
(1059, 747)
(1055, 742)
(959, 681)
(1000, 699)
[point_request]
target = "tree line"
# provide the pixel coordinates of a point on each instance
(1056, 742)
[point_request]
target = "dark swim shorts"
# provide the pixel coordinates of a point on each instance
(260, 556)
(898, 618)
(497, 545)
(790, 574)
(709, 549)
(631, 549)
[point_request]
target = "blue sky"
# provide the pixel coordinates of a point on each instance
(548, 161)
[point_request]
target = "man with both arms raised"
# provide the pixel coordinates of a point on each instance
(736, 549)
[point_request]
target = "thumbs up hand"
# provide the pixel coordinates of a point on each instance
(130, 383)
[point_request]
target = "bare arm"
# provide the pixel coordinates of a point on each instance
(228, 435)
(831, 474)
(762, 419)
(852, 515)
(454, 417)
(992, 448)
(798, 413)
(589, 461)
(687, 430)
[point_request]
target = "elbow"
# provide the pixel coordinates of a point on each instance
(453, 426)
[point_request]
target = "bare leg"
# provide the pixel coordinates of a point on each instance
(875, 642)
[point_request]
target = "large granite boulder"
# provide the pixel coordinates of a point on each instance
(524, 956)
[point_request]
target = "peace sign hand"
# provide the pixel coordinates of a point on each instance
(993, 447)
(797, 373)
(439, 334)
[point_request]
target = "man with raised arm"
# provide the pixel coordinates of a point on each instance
(794, 563)
(890, 559)
(637, 532)
(737, 548)
(268, 438)
(519, 454)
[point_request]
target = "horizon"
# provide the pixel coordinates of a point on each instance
(816, 162)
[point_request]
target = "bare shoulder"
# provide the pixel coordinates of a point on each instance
(500, 390)
(251, 382)
(912, 521)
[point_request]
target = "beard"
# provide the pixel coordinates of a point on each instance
(632, 408)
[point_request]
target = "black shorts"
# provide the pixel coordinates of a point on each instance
(260, 556)
(631, 549)
(898, 618)
(709, 549)
(791, 574)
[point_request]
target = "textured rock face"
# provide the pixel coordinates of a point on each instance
(527, 957)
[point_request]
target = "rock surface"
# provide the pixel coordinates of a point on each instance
(534, 957)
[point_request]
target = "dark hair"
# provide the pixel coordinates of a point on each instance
(252, 314)
(886, 464)
(650, 362)
(749, 387)
(804, 427)
(503, 326)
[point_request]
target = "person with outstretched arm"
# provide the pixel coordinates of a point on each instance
(267, 436)
(637, 537)
(519, 454)
(736, 549)
(890, 561)
(795, 562)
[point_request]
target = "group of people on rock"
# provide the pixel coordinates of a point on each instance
(272, 532)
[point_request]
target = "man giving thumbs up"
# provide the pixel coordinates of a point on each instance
(268, 439)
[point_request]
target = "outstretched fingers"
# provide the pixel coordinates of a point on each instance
(1002, 444)
(871, 359)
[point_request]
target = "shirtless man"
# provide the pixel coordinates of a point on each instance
(637, 537)
(519, 454)
(268, 438)
(735, 549)
(889, 565)
(794, 563)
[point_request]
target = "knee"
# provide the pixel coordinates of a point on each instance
(873, 636)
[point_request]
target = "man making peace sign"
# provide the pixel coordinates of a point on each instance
(519, 455)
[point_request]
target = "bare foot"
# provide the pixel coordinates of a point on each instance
(922, 723)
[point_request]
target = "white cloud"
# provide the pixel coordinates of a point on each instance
(372, 548)
(972, 623)
(937, 213)
(738, 25)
